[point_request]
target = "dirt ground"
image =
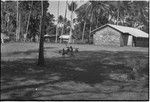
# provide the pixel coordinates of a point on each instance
(94, 73)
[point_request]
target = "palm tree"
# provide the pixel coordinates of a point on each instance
(119, 11)
(18, 19)
(71, 8)
(28, 21)
(60, 25)
(81, 11)
(57, 22)
(41, 45)
(17, 29)
(139, 13)
(64, 20)
(83, 31)
(91, 9)
(60, 20)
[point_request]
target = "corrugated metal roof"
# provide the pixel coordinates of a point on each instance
(133, 31)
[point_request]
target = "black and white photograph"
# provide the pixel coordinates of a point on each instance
(74, 50)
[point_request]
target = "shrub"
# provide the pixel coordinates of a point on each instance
(139, 67)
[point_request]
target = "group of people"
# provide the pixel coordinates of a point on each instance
(69, 50)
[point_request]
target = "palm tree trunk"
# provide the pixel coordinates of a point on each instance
(64, 20)
(117, 16)
(90, 28)
(17, 30)
(97, 22)
(41, 45)
(83, 31)
(57, 23)
(89, 33)
(28, 23)
(7, 28)
(70, 38)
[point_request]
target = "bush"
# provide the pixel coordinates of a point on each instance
(139, 67)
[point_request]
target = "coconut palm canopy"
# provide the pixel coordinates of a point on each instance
(72, 6)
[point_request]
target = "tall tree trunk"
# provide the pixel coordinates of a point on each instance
(89, 33)
(57, 23)
(28, 22)
(64, 20)
(17, 28)
(71, 28)
(41, 45)
(90, 28)
(7, 27)
(118, 16)
(83, 31)
(97, 22)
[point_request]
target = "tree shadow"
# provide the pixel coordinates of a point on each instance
(28, 52)
(88, 67)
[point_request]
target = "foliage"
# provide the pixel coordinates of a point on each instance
(9, 13)
(8, 16)
(50, 27)
(72, 6)
(36, 16)
(139, 67)
(94, 13)
(127, 13)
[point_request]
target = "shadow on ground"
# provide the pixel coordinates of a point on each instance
(26, 53)
(24, 80)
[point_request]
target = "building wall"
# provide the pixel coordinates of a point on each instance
(141, 42)
(107, 37)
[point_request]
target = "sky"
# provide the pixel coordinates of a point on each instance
(62, 4)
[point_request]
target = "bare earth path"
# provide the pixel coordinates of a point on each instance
(90, 75)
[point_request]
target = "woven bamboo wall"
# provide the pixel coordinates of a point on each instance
(107, 37)
(141, 42)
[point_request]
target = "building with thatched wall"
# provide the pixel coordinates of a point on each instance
(115, 35)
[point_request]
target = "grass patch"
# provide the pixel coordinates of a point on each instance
(92, 74)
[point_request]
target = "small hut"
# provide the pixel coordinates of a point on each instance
(65, 38)
(50, 38)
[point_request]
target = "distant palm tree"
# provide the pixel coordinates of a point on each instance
(90, 11)
(64, 20)
(139, 13)
(119, 11)
(81, 11)
(28, 21)
(71, 8)
(83, 31)
(17, 19)
(60, 19)
(57, 22)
